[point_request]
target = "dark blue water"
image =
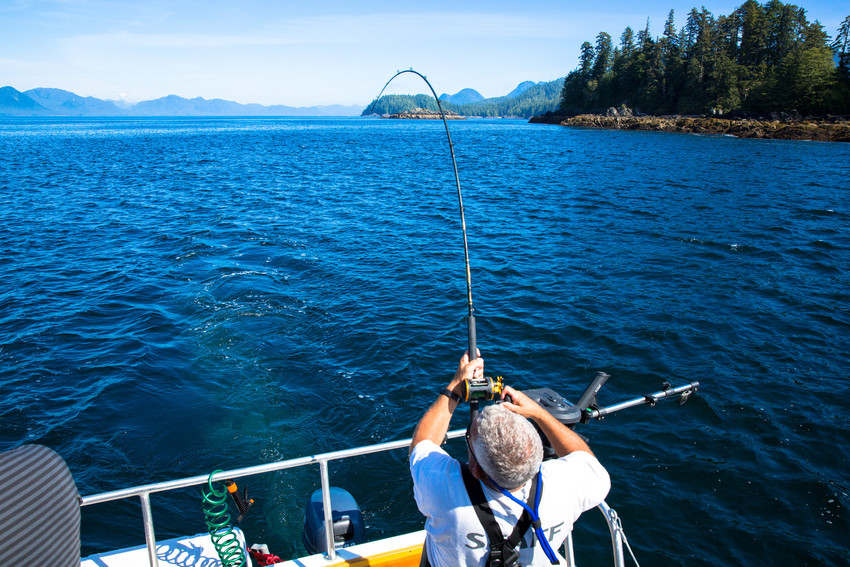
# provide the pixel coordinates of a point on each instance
(184, 295)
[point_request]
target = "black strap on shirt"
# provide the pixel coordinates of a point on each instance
(503, 552)
(423, 560)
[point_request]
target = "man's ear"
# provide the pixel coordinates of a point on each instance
(476, 471)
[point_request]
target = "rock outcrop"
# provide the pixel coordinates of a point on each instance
(788, 127)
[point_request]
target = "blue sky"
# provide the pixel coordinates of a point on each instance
(314, 52)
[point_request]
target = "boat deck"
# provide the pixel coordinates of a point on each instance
(198, 551)
(189, 551)
(399, 551)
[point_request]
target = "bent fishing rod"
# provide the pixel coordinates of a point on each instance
(487, 388)
(470, 319)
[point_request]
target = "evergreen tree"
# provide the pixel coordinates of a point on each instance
(648, 73)
(805, 76)
(671, 61)
(575, 92)
(753, 35)
(840, 99)
(627, 42)
(624, 81)
(841, 46)
(725, 83)
(586, 60)
(782, 27)
(699, 63)
(602, 55)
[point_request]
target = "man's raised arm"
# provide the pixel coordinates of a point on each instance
(435, 423)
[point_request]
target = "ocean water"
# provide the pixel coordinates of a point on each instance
(182, 295)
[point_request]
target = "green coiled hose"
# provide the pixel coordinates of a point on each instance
(221, 531)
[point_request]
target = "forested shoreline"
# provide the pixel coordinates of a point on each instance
(537, 100)
(760, 59)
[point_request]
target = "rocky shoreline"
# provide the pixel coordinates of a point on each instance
(423, 114)
(830, 129)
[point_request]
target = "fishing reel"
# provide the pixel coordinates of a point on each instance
(484, 388)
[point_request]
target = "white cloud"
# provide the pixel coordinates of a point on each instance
(365, 29)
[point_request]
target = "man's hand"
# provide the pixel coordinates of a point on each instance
(466, 370)
(435, 423)
(521, 404)
(563, 439)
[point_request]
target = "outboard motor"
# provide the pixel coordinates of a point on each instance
(347, 521)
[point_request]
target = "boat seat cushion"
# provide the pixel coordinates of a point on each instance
(39, 509)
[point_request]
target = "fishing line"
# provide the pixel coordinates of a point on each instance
(471, 316)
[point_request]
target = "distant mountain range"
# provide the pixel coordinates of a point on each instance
(525, 100)
(471, 96)
(466, 96)
(56, 102)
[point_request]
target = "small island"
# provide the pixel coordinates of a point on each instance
(425, 114)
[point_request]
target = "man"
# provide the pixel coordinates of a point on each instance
(505, 451)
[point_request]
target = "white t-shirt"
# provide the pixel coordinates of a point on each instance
(571, 485)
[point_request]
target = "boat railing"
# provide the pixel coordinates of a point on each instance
(144, 492)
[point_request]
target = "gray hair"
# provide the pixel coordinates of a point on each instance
(507, 446)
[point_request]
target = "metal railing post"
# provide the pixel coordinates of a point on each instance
(326, 504)
(616, 530)
(147, 519)
(568, 550)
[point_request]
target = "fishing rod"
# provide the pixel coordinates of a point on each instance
(488, 388)
(470, 319)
